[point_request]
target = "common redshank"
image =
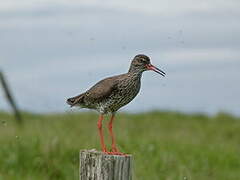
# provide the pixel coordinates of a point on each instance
(110, 94)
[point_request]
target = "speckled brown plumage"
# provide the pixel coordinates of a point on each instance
(110, 94)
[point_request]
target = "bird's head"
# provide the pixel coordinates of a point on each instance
(142, 63)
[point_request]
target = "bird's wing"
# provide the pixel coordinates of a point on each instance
(102, 89)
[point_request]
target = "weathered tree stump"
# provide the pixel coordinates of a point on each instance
(95, 165)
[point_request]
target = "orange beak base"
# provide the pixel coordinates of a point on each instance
(153, 68)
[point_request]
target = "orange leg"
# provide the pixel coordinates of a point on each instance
(114, 148)
(104, 149)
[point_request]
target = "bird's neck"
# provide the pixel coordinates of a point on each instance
(135, 73)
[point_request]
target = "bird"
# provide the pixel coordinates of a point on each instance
(110, 94)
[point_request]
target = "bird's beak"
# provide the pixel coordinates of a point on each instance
(153, 68)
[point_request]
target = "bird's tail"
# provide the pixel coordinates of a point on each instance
(77, 100)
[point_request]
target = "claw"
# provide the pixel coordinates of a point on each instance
(116, 152)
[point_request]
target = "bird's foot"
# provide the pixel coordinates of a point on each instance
(115, 151)
(105, 151)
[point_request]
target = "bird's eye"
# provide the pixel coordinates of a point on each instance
(142, 60)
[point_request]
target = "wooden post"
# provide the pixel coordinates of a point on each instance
(95, 165)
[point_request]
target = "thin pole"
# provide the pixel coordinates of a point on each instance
(10, 99)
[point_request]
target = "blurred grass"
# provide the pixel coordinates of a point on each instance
(165, 145)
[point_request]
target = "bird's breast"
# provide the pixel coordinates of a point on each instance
(124, 94)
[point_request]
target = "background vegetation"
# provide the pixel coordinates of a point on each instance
(165, 145)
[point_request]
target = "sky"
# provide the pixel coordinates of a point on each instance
(52, 50)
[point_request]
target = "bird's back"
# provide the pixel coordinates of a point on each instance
(110, 94)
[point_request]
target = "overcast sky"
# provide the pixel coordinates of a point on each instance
(51, 50)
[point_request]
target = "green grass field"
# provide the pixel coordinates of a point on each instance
(165, 145)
